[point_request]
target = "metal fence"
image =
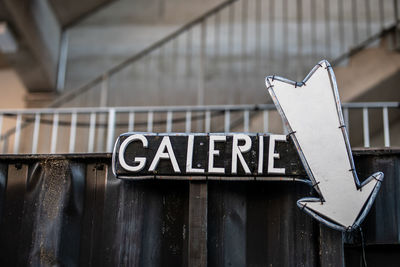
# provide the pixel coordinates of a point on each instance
(211, 59)
(70, 130)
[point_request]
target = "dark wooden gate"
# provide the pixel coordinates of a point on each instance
(70, 210)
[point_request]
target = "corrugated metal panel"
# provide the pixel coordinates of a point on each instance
(70, 210)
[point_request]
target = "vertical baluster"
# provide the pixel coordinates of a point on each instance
(148, 70)
(92, 128)
(246, 121)
(266, 122)
(158, 68)
(341, 26)
(354, 21)
(150, 115)
(299, 37)
(175, 62)
(368, 17)
(189, 53)
(313, 15)
(208, 122)
(327, 29)
(104, 91)
(217, 35)
(102, 118)
(244, 33)
(230, 28)
(72, 133)
(257, 25)
(381, 14)
(230, 44)
(131, 121)
(227, 120)
(202, 64)
(35, 138)
(285, 34)
(169, 122)
(110, 130)
(386, 133)
(271, 36)
(396, 17)
(54, 134)
(366, 127)
(17, 134)
(161, 58)
(188, 121)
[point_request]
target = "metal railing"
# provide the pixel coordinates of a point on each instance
(71, 130)
(231, 46)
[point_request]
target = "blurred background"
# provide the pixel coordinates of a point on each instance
(76, 74)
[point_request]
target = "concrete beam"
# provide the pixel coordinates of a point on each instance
(38, 34)
(69, 12)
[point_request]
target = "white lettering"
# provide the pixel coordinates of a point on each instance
(260, 154)
(238, 150)
(212, 152)
(189, 156)
(140, 160)
(165, 144)
(272, 155)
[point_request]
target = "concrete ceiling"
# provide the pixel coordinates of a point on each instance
(37, 26)
(68, 12)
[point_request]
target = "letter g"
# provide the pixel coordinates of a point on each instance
(140, 160)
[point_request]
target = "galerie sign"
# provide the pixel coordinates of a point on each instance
(140, 155)
(311, 112)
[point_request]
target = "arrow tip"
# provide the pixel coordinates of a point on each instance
(345, 211)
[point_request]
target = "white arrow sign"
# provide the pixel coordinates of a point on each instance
(312, 114)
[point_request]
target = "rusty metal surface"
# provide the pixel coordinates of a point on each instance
(70, 210)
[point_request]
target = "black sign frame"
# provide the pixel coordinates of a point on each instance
(285, 156)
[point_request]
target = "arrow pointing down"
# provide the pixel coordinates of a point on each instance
(312, 114)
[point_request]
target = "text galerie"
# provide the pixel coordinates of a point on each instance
(240, 143)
